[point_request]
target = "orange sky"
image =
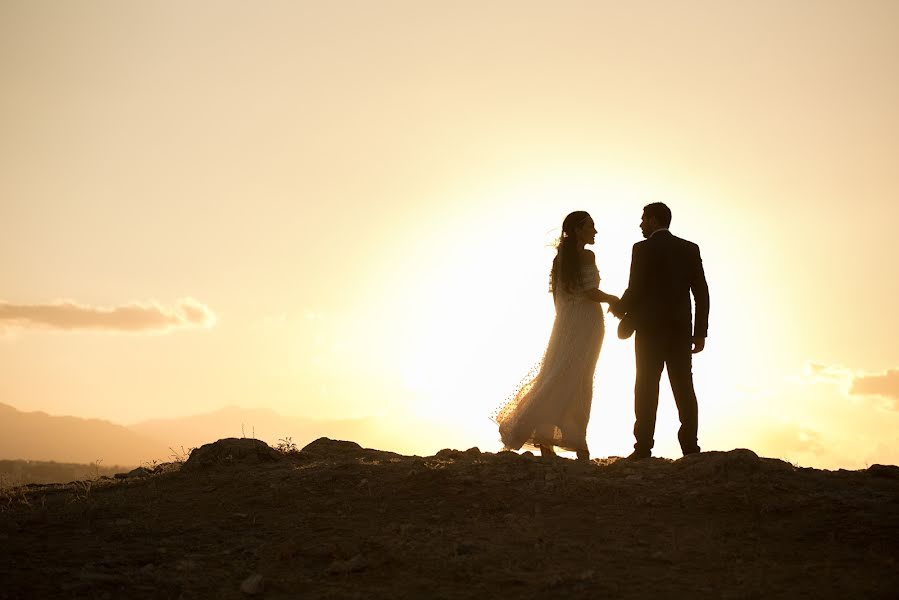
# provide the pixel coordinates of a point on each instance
(342, 209)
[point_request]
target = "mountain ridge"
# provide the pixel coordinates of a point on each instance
(40, 436)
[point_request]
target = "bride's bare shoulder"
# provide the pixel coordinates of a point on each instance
(587, 257)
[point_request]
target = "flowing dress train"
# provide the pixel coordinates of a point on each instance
(551, 407)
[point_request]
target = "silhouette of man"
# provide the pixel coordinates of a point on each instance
(664, 270)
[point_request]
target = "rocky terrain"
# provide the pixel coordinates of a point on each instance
(333, 520)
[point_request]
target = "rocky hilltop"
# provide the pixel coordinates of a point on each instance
(334, 520)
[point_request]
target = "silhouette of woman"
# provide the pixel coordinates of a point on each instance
(552, 407)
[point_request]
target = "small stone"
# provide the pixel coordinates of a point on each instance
(554, 580)
(252, 585)
(465, 548)
(287, 550)
(138, 472)
(550, 476)
(346, 549)
(507, 456)
(363, 483)
(95, 577)
(186, 564)
(122, 522)
(357, 563)
(319, 551)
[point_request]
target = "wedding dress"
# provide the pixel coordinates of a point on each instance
(551, 406)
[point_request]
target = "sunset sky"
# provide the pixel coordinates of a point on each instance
(344, 209)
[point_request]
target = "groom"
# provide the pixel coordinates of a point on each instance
(664, 270)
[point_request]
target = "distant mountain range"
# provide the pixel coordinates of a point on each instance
(39, 436)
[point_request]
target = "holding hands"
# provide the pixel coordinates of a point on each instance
(614, 306)
(612, 301)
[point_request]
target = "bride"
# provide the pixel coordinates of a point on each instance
(552, 408)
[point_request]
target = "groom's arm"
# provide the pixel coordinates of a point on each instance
(634, 285)
(700, 289)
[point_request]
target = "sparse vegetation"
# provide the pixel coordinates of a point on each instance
(94, 469)
(181, 455)
(81, 491)
(13, 496)
(286, 445)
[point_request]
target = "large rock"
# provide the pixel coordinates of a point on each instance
(735, 463)
(888, 471)
(231, 451)
(323, 447)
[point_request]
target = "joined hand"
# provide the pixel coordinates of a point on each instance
(613, 307)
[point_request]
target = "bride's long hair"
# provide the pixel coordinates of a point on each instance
(566, 273)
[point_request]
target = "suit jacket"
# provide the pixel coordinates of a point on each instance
(664, 270)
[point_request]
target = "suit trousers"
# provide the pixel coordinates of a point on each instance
(655, 350)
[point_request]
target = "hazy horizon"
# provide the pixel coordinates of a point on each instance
(343, 210)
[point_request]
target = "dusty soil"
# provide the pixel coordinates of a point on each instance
(338, 521)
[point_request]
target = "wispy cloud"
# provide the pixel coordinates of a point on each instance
(137, 317)
(819, 372)
(885, 385)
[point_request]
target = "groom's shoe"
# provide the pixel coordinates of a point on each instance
(638, 454)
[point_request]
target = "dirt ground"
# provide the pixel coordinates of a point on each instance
(239, 519)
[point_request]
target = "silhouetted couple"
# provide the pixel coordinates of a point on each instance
(552, 407)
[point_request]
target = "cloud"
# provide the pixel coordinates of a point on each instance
(139, 317)
(885, 385)
(818, 372)
(882, 386)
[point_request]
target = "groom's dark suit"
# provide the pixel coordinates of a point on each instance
(664, 270)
